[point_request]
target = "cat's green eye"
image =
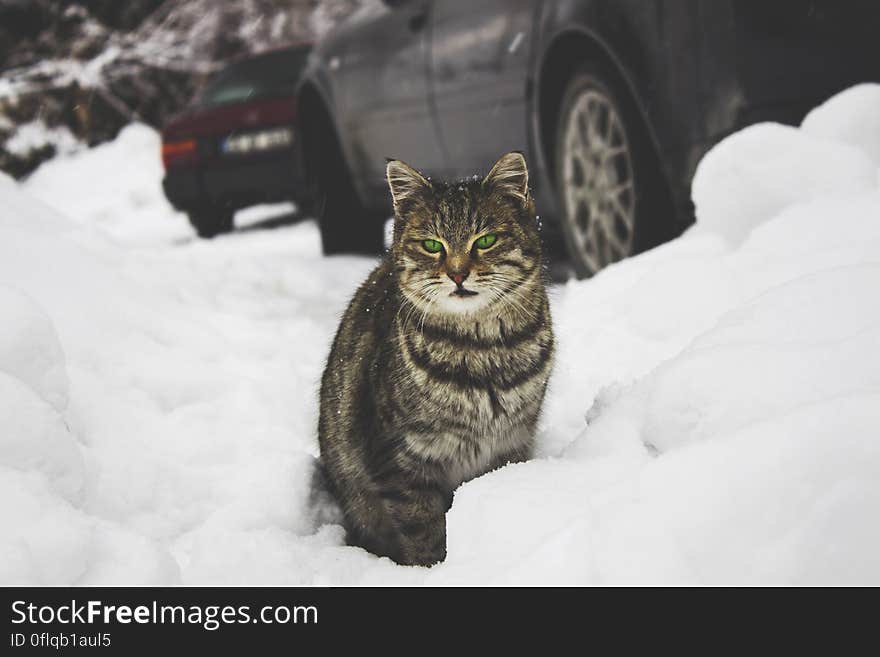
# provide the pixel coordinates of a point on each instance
(486, 241)
(432, 246)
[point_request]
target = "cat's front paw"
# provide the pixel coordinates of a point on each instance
(420, 556)
(423, 548)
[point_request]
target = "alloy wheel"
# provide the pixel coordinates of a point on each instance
(598, 182)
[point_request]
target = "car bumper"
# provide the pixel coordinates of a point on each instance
(237, 182)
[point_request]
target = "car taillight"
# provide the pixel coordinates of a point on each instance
(179, 152)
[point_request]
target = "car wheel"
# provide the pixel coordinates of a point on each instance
(211, 221)
(607, 179)
(347, 226)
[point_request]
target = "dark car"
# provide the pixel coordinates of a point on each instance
(236, 145)
(613, 102)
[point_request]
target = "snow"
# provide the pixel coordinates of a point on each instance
(849, 117)
(36, 134)
(29, 348)
(123, 179)
(713, 418)
(758, 172)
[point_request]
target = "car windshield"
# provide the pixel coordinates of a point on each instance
(273, 74)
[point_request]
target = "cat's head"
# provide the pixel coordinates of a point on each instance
(464, 247)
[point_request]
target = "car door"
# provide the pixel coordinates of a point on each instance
(382, 91)
(479, 63)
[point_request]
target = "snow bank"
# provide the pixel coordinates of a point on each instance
(160, 401)
(850, 117)
(29, 348)
(713, 417)
(116, 187)
(756, 173)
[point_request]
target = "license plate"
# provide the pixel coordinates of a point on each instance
(250, 142)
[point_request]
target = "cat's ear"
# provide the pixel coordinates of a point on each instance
(406, 184)
(510, 176)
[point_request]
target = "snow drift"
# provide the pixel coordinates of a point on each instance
(714, 416)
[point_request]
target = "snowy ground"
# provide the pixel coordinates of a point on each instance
(714, 416)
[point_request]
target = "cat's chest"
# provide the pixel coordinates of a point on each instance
(484, 387)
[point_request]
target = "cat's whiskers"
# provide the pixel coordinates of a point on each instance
(515, 298)
(427, 308)
(407, 305)
(420, 292)
(511, 297)
(508, 289)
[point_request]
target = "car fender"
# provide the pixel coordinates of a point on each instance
(621, 34)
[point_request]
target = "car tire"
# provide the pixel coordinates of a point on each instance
(612, 195)
(346, 225)
(210, 221)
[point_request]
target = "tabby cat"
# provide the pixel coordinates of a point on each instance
(440, 364)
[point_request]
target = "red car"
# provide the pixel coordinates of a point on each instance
(236, 145)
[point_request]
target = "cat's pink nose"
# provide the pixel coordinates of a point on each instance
(458, 277)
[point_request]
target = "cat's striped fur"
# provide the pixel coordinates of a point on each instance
(439, 367)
